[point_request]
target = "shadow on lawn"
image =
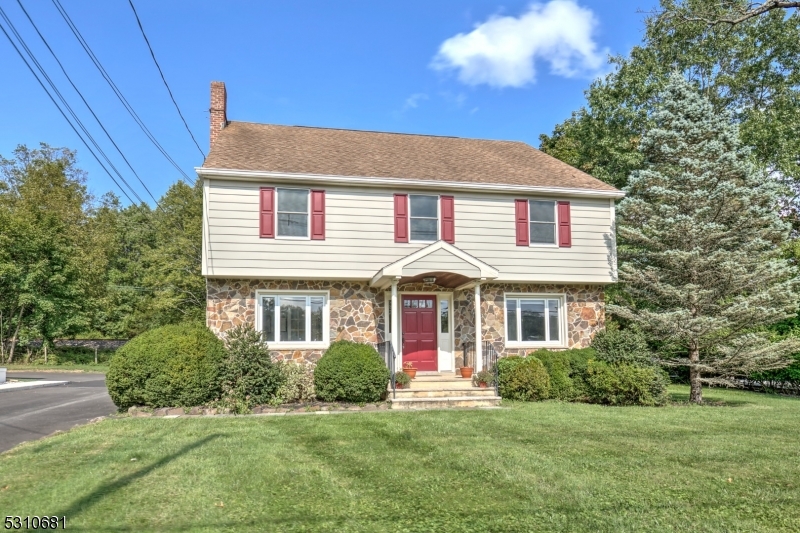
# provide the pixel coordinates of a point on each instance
(108, 488)
(708, 400)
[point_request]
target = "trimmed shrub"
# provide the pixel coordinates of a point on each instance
(351, 372)
(617, 346)
(297, 384)
(248, 376)
(626, 384)
(170, 366)
(524, 379)
(567, 370)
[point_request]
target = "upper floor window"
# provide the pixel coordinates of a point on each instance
(424, 217)
(542, 221)
(293, 212)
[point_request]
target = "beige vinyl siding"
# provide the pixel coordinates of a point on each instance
(359, 238)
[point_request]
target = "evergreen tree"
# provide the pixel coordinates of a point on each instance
(700, 234)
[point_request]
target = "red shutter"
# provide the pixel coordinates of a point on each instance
(564, 225)
(267, 215)
(521, 209)
(400, 218)
(448, 219)
(317, 215)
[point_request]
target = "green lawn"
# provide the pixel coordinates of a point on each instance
(530, 467)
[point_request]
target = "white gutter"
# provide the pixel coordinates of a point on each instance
(253, 175)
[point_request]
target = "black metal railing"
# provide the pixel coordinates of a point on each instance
(387, 352)
(468, 354)
(490, 356)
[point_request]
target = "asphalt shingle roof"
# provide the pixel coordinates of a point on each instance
(338, 152)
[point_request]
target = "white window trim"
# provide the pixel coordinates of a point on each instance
(326, 321)
(561, 297)
(438, 218)
(555, 224)
(308, 215)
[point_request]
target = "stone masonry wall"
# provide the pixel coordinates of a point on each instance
(357, 311)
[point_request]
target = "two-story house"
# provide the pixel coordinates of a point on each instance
(318, 234)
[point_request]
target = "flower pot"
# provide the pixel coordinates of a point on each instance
(412, 372)
(398, 385)
(466, 372)
(482, 385)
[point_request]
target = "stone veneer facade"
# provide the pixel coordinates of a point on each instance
(357, 311)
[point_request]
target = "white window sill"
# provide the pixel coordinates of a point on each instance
(289, 238)
(534, 345)
(542, 245)
(298, 345)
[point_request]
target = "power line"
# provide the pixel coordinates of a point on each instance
(153, 55)
(65, 104)
(62, 112)
(63, 70)
(116, 90)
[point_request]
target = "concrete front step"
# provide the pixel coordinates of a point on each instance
(441, 384)
(441, 393)
(450, 401)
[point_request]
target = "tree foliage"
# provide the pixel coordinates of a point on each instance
(702, 268)
(750, 70)
(73, 265)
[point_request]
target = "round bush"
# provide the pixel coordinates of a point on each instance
(351, 372)
(524, 379)
(626, 384)
(170, 366)
(618, 346)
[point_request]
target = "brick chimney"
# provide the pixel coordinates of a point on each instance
(219, 107)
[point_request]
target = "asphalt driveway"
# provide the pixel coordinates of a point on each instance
(35, 413)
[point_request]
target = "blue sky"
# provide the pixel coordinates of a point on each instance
(486, 69)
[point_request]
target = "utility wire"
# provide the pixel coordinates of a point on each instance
(63, 114)
(63, 70)
(64, 102)
(117, 92)
(153, 55)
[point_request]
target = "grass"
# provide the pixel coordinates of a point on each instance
(732, 467)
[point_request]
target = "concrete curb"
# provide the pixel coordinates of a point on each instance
(26, 385)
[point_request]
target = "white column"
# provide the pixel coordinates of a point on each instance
(478, 328)
(395, 322)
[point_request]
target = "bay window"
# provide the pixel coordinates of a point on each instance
(293, 318)
(535, 320)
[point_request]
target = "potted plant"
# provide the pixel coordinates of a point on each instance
(408, 368)
(402, 380)
(483, 379)
(466, 372)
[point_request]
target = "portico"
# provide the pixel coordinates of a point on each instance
(421, 323)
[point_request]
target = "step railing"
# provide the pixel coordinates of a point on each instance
(389, 357)
(490, 356)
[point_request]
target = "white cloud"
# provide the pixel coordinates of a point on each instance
(502, 52)
(413, 101)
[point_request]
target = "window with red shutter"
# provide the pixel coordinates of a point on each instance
(564, 225)
(267, 213)
(521, 214)
(400, 218)
(318, 215)
(448, 219)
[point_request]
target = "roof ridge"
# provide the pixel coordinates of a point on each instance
(378, 131)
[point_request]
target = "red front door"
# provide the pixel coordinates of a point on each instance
(419, 331)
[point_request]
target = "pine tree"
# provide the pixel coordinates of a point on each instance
(700, 235)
